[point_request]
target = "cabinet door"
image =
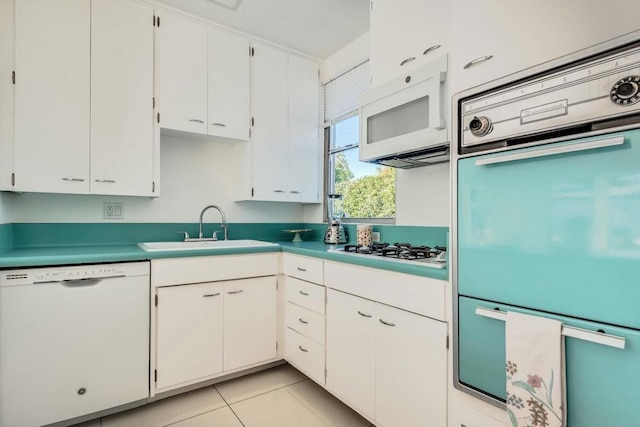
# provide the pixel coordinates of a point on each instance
(350, 350)
(189, 337)
(229, 85)
(250, 321)
(121, 98)
(182, 74)
(510, 31)
(404, 30)
(304, 130)
(7, 66)
(270, 111)
(411, 369)
(52, 98)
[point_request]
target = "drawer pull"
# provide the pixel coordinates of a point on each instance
(301, 269)
(304, 322)
(108, 181)
(210, 295)
(477, 60)
(222, 125)
(73, 179)
(303, 349)
(235, 292)
(196, 121)
(306, 294)
(406, 61)
(431, 49)
(386, 323)
(364, 315)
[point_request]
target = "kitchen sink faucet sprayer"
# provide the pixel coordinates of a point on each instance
(223, 225)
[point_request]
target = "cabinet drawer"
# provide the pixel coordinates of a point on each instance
(306, 322)
(305, 355)
(304, 268)
(306, 294)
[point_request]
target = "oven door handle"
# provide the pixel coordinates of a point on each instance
(567, 331)
(571, 148)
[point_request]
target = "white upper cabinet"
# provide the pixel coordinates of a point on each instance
(122, 133)
(182, 74)
(510, 33)
(281, 162)
(304, 130)
(7, 61)
(406, 34)
(229, 85)
(268, 151)
(52, 95)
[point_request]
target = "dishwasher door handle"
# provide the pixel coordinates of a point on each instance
(86, 281)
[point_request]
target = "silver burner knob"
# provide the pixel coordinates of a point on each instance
(626, 91)
(480, 126)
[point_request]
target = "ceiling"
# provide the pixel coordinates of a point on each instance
(314, 27)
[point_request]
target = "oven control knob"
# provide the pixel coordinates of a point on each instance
(626, 91)
(480, 126)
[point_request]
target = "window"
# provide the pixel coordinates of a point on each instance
(368, 189)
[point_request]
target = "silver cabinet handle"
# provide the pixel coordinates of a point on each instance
(211, 295)
(304, 293)
(184, 234)
(386, 323)
(196, 121)
(109, 181)
(432, 48)
(477, 60)
(222, 125)
(235, 292)
(301, 320)
(294, 192)
(278, 191)
(303, 349)
(406, 61)
(73, 179)
(301, 269)
(364, 314)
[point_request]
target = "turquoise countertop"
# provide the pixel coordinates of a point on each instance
(84, 254)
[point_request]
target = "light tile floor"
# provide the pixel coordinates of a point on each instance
(278, 397)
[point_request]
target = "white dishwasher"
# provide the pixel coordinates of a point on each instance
(73, 341)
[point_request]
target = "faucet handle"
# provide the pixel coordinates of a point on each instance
(215, 235)
(186, 235)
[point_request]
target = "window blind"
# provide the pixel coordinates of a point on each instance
(342, 94)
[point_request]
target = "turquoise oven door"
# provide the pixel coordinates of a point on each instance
(555, 228)
(603, 383)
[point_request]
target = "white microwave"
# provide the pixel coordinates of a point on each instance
(403, 123)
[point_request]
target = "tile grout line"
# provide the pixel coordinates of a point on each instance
(261, 394)
(228, 406)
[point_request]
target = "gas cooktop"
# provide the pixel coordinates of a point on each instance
(433, 257)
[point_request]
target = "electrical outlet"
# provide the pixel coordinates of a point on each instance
(375, 236)
(113, 210)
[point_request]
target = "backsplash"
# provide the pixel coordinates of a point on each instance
(23, 235)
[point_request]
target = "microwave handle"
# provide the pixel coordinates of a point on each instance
(437, 102)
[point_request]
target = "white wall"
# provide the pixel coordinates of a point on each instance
(346, 58)
(422, 196)
(5, 214)
(194, 173)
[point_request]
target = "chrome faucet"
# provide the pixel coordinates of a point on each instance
(223, 225)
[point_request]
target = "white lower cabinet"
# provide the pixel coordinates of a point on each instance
(389, 364)
(189, 337)
(209, 320)
(351, 345)
(250, 319)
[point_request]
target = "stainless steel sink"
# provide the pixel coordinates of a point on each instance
(205, 245)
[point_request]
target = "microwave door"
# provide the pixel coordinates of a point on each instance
(404, 121)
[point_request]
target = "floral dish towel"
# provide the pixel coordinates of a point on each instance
(535, 371)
